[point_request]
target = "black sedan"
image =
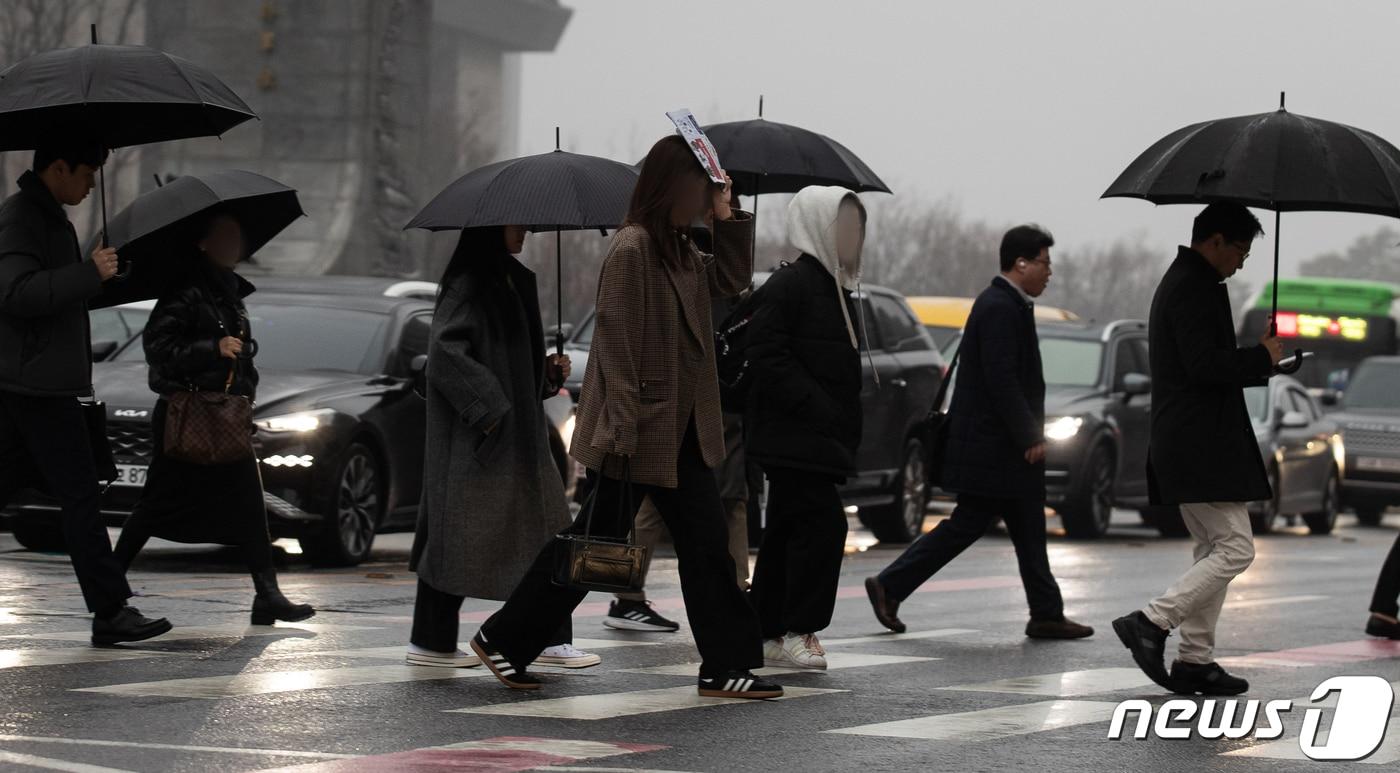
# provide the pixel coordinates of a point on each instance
(340, 427)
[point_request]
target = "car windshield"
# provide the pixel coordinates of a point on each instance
(1373, 387)
(584, 335)
(1071, 361)
(309, 338)
(942, 336)
(1256, 399)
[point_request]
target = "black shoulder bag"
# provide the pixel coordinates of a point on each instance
(932, 431)
(607, 564)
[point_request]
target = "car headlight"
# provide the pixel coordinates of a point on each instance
(569, 432)
(1063, 428)
(300, 422)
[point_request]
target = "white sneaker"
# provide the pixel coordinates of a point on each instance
(567, 656)
(417, 656)
(774, 654)
(804, 650)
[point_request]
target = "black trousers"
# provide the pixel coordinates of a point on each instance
(974, 515)
(799, 563)
(725, 626)
(47, 437)
(435, 621)
(1384, 600)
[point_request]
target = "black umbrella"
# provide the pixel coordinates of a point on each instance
(1280, 161)
(119, 95)
(154, 232)
(554, 191)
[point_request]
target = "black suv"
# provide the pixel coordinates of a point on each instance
(1368, 415)
(890, 490)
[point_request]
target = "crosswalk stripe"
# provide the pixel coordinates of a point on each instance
(497, 755)
(989, 724)
(48, 763)
(834, 660)
(623, 704)
(1359, 651)
(1288, 749)
(69, 655)
(1066, 684)
(190, 632)
(936, 633)
(172, 747)
(242, 685)
(1271, 600)
(398, 651)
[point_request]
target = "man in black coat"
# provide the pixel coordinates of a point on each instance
(46, 365)
(995, 458)
(1203, 455)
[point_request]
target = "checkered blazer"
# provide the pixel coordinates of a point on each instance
(651, 363)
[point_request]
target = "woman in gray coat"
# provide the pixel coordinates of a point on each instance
(491, 490)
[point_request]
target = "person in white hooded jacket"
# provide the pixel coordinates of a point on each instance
(804, 420)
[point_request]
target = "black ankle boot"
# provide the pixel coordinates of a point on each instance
(270, 605)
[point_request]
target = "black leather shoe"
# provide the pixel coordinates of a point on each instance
(1205, 679)
(127, 624)
(1382, 628)
(1148, 643)
(886, 609)
(269, 609)
(1057, 629)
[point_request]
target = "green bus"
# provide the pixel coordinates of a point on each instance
(1342, 321)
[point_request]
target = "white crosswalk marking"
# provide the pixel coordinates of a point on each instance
(1064, 685)
(1271, 600)
(240, 685)
(623, 704)
(397, 651)
(936, 633)
(47, 763)
(190, 632)
(989, 724)
(834, 660)
(68, 655)
(1288, 749)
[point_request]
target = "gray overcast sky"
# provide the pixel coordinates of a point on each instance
(1019, 110)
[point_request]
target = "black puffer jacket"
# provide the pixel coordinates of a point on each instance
(44, 288)
(804, 409)
(181, 339)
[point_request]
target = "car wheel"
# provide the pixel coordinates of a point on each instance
(1324, 520)
(1090, 509)
(1166, 519)
(1266, 518)
(39, 533)
(1370, 515)
(902, 520)
(354, 510)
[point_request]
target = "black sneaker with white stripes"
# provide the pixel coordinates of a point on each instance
(637, 616)
(501, 667)
(739, 684)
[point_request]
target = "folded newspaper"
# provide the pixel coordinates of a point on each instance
(700, 145)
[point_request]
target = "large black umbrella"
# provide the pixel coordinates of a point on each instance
(118, 95)
(554, 191)
(770, 157)
(154, 233)
(1280, 161)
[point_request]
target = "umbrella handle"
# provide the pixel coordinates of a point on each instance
(1294, 366)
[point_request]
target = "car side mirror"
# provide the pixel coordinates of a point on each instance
(1137, 384)
(1330, 398)
(1294, 420)
(418, 370)
(101, 350)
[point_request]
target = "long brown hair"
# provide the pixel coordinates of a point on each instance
(654, 197)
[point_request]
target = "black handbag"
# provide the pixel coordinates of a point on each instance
(932, 430)
(95, 417)
(607, 564)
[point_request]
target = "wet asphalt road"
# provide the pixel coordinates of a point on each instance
(964, 690)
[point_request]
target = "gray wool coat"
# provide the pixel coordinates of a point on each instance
(490, 501)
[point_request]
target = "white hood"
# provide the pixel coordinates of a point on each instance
(812, 230)
(812, 227)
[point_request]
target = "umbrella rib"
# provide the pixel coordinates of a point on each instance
(181, 72)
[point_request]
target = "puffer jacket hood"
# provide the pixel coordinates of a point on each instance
(812, 230)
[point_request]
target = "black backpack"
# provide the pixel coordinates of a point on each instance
(732, 352)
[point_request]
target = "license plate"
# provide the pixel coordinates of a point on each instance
(130, 475)
(1377, 463)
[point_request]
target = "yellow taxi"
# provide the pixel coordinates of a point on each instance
(945, 315)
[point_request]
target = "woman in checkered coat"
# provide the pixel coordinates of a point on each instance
(649, 412)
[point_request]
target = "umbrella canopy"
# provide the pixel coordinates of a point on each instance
(122, 95)
(154, 233)
(770, 157)
(548, 192)
(1280, 161)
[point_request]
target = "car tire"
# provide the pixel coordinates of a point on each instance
(1370, 515)
(42, 534)
(354, 510)
(902, 520)
(1324, 520)
(1166, 519)
(1266, 520)
(1089, 509)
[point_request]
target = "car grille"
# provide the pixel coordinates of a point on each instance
(1375, 440)
(132, 442)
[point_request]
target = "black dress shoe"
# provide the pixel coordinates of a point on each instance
(269, 609)
(1382, 628)
(1148, 643)
(1205, 679)
(1057, 629)
(127, 624)
(886, 610)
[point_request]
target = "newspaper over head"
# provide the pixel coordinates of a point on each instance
(699, 144)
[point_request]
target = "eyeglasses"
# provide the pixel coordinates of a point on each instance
(1243, 248)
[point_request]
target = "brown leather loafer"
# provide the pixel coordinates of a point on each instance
(886, 610)
(1057, 629)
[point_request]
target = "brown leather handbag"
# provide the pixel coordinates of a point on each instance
(203, 427)
(607, 564)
